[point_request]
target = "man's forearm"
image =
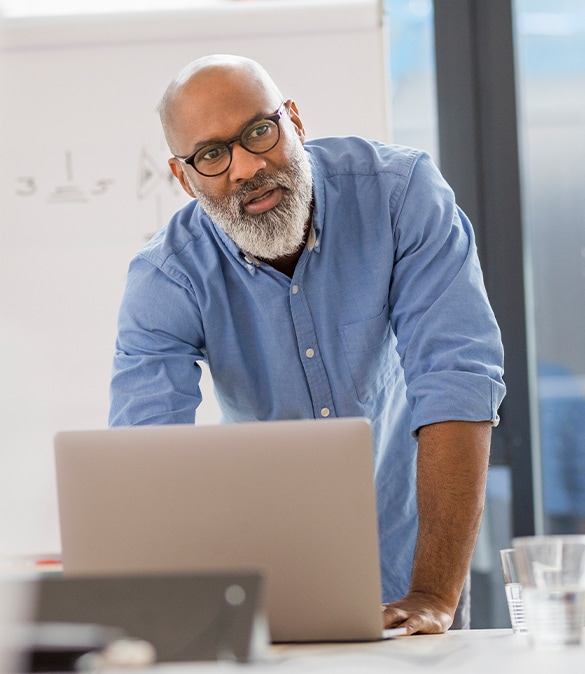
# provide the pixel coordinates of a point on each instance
(453, 460)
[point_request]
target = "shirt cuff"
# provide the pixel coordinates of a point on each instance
(454, 396)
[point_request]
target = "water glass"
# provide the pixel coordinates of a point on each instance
(513, 589)
(551, 570)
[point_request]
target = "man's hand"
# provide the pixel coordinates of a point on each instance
(419, 613)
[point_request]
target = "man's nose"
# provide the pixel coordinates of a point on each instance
(245, 164)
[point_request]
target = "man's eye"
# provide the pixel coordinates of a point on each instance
(258, 130)
(212, 153)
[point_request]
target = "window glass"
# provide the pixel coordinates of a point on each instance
(550, 47)
(412, 73)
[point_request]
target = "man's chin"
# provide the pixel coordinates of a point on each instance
(251, 237)
(268, 252)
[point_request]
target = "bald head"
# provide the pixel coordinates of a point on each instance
(209, 84)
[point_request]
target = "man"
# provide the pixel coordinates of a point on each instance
(335, 277)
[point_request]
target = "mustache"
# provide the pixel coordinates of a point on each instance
(261, 180)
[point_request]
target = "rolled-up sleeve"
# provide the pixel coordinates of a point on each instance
(448, 338)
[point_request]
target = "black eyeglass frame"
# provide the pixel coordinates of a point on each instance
(276, 117)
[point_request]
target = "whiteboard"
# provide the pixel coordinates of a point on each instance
(84, 183)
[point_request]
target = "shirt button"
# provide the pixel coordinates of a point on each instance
(325, 412)
(309, 353)
(295, 289)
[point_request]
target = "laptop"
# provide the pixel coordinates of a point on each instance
(291, 500)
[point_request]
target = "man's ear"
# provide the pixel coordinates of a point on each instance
(296, 120)
(179, 172)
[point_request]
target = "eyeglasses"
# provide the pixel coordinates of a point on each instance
(259, 137)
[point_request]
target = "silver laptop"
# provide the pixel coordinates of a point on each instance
(293, 500)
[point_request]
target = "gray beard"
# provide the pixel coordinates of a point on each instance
(277, 232)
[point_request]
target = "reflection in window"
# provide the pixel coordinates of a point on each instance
(562, 437)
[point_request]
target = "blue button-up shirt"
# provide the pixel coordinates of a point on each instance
(385, 317)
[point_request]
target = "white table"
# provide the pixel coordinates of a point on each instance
(469, 652)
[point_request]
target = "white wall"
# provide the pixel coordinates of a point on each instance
(84, 182)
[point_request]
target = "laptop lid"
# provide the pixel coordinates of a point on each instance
(293, 500)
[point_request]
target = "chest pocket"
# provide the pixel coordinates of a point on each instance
(366, 348)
